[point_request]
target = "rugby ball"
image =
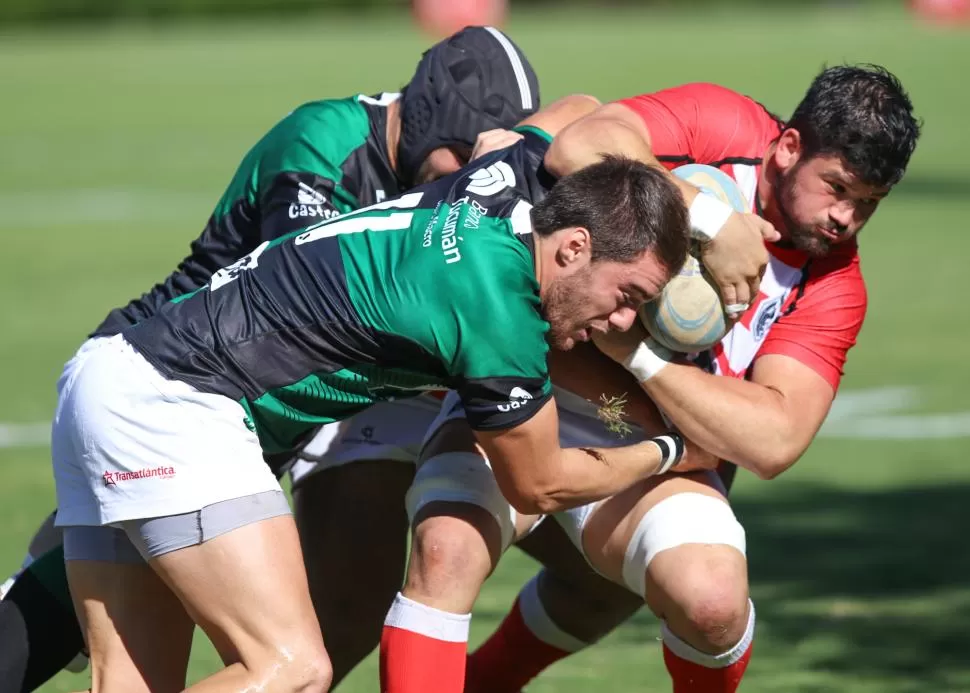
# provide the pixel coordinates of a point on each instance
(688, 316)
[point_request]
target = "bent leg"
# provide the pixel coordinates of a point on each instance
(563, 609)
(353, 575)
(676, 541)
(247, 589)
(137, 632)
(462, 525)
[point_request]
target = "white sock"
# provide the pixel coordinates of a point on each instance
(413, 616)
(725, 659)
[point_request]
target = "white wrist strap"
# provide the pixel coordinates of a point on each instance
(671, 450)
(707, 216)
(648, 359)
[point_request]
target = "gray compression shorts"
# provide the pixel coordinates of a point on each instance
(137, 541)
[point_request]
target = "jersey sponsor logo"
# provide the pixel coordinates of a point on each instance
(295, 211)
(473, 218)
(765, 318)
(308, 196)
(518, 398)
(310, 203)
(114, 478)
(491, 180)
(365, 437)
(449, 235)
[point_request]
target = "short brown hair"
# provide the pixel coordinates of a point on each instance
(628, 208)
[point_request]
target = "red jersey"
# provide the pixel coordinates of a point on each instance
(810, 309)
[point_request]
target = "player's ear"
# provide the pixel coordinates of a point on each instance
(575, 247)
(789, 149)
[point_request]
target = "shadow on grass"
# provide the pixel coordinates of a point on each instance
(887, 572)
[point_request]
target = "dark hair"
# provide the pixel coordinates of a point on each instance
(863, 114)
(627, 207)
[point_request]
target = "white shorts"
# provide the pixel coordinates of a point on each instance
(386, 431)
(578, 427)
(127, 443)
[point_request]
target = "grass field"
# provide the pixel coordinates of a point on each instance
(116, 142)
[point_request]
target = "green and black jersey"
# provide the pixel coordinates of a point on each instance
(434, 289)
(324, 159)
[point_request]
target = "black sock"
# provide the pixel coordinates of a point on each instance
(38, 629)
(13, 648)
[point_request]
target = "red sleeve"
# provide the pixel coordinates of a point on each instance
(825, 320)
(704, 123)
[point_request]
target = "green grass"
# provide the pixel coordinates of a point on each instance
(116, 143)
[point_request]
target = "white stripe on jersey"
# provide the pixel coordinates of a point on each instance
(385, 99)
(517, 66)
(746, 177)
(521, 218)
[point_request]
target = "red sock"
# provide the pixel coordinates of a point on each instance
(690, 677)
(423, 649)
(693, 671)
(520, 649)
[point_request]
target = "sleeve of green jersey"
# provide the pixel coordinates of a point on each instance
(531, 131)
(299, 171)
(504, 379)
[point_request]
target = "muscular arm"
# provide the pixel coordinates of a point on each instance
(537, 476)
(561, 113)
(764, 425)
(735, 258)
(610, 129)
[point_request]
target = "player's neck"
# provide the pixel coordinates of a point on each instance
(537, 260)
(393, 132)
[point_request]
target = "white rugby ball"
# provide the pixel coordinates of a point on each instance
(688, 316)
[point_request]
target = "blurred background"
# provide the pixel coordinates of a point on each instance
(122, 121)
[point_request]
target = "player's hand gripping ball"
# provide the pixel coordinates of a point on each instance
(689, 316)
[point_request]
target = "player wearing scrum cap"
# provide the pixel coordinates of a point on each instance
(673, 542)
(324, 159)
(171, 515)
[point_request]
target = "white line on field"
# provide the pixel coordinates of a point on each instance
(876, 414)
(24, 435)
(99, 205)
(863, 414)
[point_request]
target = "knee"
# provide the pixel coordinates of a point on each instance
(452, 549)
(714, 601)
(307, 671)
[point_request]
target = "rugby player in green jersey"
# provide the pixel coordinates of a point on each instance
(323, 159)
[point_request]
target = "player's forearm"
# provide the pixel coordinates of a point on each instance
(585, 475)
(736, 420)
